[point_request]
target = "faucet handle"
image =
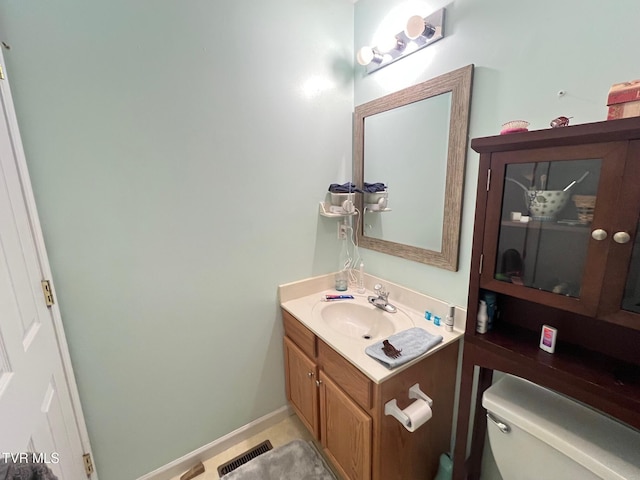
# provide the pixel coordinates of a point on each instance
(380, 291)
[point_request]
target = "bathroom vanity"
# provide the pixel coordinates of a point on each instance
(340, 393)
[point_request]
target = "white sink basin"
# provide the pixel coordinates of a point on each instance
(360, 321)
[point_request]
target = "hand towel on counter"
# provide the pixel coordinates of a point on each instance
(413, 343)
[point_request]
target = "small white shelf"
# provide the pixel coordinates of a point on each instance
(324, 211)
(366, 210)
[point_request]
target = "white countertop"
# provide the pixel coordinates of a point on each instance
(303, 299)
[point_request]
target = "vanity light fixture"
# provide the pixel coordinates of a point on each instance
(418, 33)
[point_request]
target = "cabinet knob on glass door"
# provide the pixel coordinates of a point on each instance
(621, 237)
(599, 234)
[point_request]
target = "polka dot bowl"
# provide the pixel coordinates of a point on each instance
(544, 205)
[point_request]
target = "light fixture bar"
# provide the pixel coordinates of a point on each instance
(432, 32)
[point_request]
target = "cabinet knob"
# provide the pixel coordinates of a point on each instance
(310, 374)
(621, 237)
(318, 383)
(599, 234)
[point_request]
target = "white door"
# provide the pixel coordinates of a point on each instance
(39, 408)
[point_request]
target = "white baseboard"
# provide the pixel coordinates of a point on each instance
(218, 446)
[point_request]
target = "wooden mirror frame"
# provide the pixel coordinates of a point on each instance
(458, 82)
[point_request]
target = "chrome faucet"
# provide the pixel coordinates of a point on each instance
(382, 300)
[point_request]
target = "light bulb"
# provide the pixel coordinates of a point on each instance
(390, 43)
(415, 27)
(366, 55)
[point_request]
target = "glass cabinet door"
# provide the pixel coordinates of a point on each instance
(631, 296)
(546, 211)
(620, 298)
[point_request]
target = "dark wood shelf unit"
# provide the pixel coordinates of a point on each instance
(597, 356)
(612, 385)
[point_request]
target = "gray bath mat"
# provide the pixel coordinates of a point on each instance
(297, 460)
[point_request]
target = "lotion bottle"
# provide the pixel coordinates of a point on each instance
(483, 318)
(448, 321)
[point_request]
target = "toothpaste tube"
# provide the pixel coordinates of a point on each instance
(330, 298)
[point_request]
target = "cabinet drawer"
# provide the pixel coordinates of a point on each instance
(301, 335)
(350, 379)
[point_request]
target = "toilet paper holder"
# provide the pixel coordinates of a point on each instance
(391, 408)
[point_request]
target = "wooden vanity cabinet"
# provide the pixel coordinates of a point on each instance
(346, 411)
(302, 392)
(579, 274)
(345, 431)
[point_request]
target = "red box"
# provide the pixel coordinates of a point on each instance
(624, 100)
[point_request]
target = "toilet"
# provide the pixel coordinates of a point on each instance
(535, 433)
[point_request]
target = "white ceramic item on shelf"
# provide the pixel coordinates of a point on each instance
(546, 204)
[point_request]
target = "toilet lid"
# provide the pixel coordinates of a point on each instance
(608, 448)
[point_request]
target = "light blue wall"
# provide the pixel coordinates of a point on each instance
(178, 152)
(524, 53)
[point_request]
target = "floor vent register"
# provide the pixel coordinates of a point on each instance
(240, 460)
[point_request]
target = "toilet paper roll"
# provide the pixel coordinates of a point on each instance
(419, 413)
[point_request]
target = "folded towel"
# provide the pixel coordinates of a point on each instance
(344, 188)
(351, 188)
(374, 187)
(413, 343)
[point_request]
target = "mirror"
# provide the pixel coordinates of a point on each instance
(415, 142)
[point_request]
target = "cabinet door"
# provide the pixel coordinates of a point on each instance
(301, 374)
(345, 432)
(568, 195)
(620, 302)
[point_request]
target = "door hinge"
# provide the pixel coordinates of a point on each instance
(48, 294)
(88, 464)
(481, 262)
(488, 179)
(1, 73)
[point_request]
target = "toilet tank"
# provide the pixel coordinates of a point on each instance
(548, 436)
